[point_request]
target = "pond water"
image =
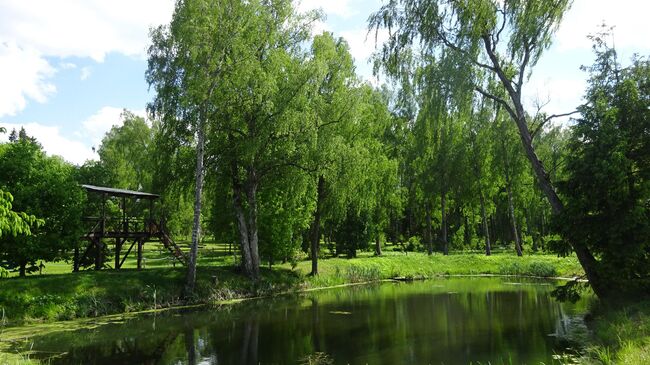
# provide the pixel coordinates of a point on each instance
(443, 321)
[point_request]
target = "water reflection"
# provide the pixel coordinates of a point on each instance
(450, 321)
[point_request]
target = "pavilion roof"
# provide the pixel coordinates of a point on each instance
(119, 192)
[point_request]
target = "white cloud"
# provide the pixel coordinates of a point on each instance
(557, 79)
(85, 73)
(339, 8)
(24, 75)
(319, 27)
(95, 127)
(362, 46)
(53, 142)
(628, 16)
(30, 31)
(83, 28)
(76, 149)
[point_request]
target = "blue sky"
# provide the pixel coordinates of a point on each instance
(67, 69)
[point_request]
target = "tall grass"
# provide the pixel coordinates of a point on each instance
(622, 334)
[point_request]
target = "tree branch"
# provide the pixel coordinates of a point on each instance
(458, 49)
(496, 99)
(524, 63)
(547, 119)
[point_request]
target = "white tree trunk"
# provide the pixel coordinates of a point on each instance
(196, 226)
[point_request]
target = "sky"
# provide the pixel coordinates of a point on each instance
(68, 68)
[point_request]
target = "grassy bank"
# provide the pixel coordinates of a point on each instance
(621, 335)
(63, 296)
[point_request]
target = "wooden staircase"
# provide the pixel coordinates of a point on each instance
(172, 246)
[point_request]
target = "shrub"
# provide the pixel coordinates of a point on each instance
(414, 244)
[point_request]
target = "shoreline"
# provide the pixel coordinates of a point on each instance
(16, 333)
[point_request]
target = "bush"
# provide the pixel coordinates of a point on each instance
(414, 244)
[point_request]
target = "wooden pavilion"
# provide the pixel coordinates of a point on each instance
(128, 227)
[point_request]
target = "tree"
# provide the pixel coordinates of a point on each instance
(45, 187)
(479, 130)
(186, 60)
(126, 153)
(12, 222)
(334, 106)
(503, 39)
(262, 129)
(607, 188)
(507, 160)
(232, 74)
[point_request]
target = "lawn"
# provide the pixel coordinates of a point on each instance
(59, 294)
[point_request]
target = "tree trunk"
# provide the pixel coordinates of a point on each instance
(76, 259)
(247, 262)
(190, 279)
(486, 230)
(315, 233)
(251, 194)
(118, 249)
(99, 255)
(511, 206)
(247, 223)
(531, 229)
(542, 230)
(511, 210)
(22, 271)
(467, 237)
(428, 233)
(377, 245)
(585, 257)
(443, 224)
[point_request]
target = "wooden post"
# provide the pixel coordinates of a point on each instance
(125, 222)
(148, 227)
(139, 254)
(118, 248)
(103, 222)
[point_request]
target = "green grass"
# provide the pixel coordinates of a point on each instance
(336, 271)
(622, 334)
(59, 294)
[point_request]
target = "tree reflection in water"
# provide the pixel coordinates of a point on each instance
(453, 321)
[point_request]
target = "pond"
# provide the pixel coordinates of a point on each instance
(442, 321)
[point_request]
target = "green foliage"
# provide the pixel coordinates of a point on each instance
(285, 212)
(44, 187)
(11, 222)
(607, 188)
(352, 234)
(126, 154)
(414, 244)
